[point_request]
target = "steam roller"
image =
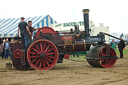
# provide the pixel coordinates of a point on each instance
(48, 48)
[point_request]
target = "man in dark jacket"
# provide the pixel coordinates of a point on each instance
(121, 46)
(24, 32)
(31, 29)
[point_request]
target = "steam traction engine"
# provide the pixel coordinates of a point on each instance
(49, 48)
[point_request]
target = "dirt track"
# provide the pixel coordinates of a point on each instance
(67, 73)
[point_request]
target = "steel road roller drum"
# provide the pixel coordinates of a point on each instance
(98, 57)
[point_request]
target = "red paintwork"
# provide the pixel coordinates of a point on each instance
(42, 46)
(106, 63)
(66, 56)
(67, 38)
(45, 30)
(17, 53)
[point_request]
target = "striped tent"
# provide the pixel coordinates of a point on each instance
(9, 27)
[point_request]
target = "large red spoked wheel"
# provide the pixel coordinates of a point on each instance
(45, 30)
(17, 53)
(42, 55)
(98, 51)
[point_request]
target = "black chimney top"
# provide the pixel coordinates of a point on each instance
(86, 22)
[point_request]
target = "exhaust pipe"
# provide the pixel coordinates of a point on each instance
(86, 22)
(100, 38)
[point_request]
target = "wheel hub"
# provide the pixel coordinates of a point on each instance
(42, 55)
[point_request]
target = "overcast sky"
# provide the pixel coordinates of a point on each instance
(113, 13)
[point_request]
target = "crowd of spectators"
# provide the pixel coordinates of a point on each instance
(5, 48)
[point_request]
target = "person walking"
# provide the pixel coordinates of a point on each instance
(24, 32)
(6, 45)
(121, 46)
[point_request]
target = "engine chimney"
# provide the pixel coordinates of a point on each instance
(100, 38)
(86, 22)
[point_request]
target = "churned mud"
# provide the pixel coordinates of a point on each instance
(67, 73)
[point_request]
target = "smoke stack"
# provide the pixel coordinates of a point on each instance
(86, 22)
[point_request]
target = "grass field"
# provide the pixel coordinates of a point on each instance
(82, 56)
(124, 51)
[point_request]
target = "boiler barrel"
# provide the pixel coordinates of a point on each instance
(75, 48)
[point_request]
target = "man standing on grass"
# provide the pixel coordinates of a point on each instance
(121, 46)
(24, 32)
